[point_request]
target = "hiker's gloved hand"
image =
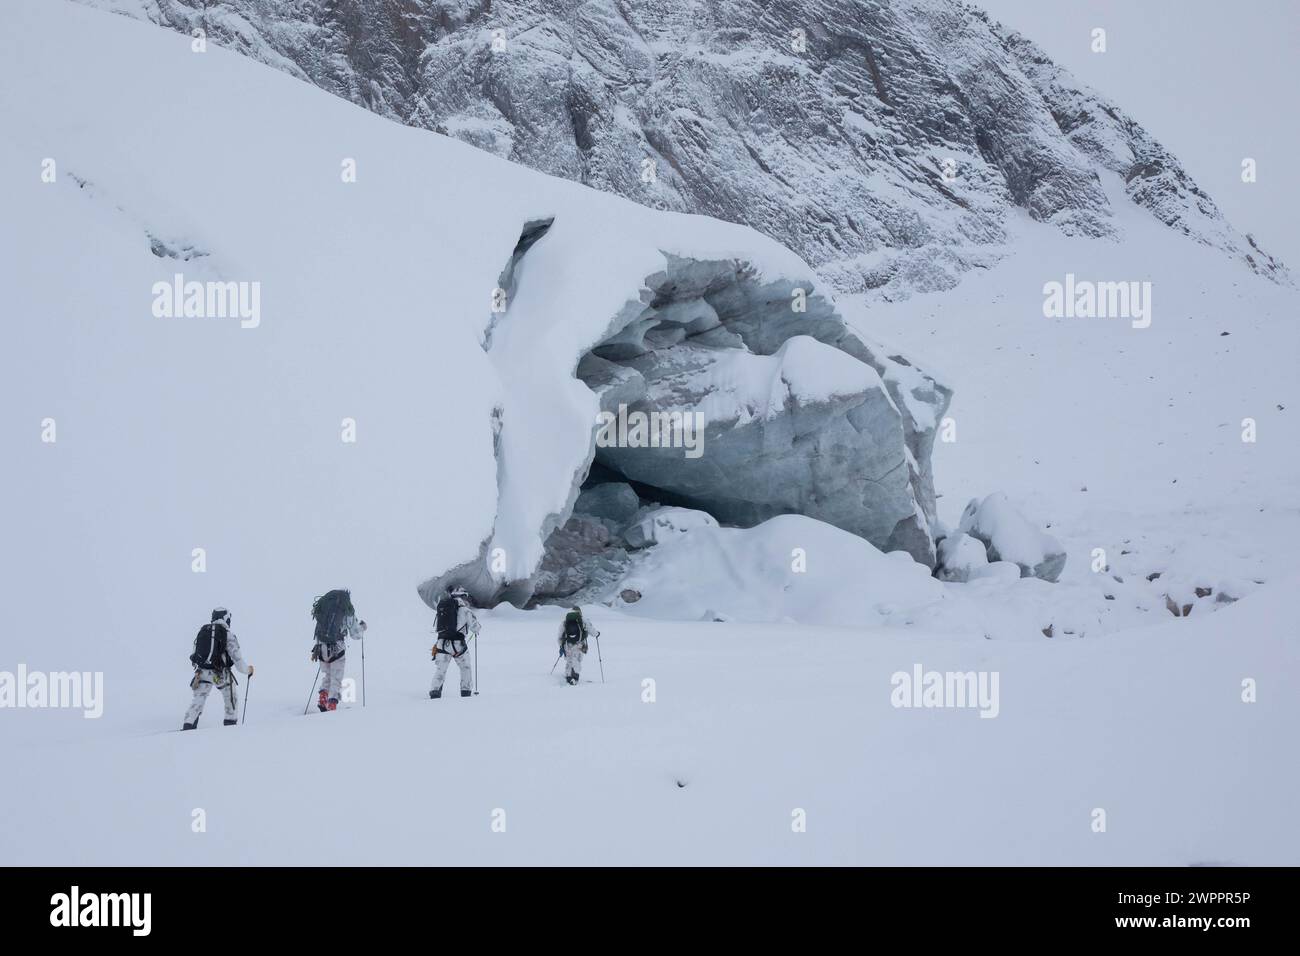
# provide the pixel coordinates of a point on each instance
(250, 670)
(363, 625)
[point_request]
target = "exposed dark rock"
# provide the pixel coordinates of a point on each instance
(959, 555)
(614, 503)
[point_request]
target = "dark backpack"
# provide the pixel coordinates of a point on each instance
(331, 611)
(210, 647)
(444, 623)
(573, 628)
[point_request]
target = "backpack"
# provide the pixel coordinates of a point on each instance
(331, 611)
(574, 630)
(210, 647)
(448, 611)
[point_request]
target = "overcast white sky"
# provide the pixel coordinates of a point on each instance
(1213, 80)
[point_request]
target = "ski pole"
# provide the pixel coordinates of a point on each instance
(313, 691)
(363, 675)
(557, 660)
(599, 658)
(247, 690)
(475, 665)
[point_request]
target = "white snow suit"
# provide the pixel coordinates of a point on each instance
(333, 662)
(457, 649)
(207, 678)
(573, 652)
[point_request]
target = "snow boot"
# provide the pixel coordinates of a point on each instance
(465, 693)
(229, 723)
(193, 726)
(333, 703)
(571, 678)
(322, 704)
(435, 694)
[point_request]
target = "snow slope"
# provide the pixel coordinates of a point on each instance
(756, 721)
(1125, 439)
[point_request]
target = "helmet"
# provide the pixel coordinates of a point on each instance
(222, 615)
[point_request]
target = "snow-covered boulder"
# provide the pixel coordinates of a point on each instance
(999, 572)
(664, 524)
(1008, 535)
(959, 556)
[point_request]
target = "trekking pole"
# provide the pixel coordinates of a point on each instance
(313, 692)
(475, 665)
(247, 690)
(557, 660)
(599, 658)
(363, 676)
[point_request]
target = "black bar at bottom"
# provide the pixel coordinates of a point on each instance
(352, 904)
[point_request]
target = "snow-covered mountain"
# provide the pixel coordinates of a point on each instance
(424, 302)
(887, 142)
(394, 348)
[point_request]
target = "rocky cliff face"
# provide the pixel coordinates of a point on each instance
(885, 141)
